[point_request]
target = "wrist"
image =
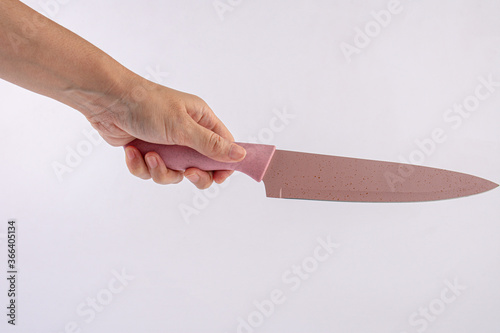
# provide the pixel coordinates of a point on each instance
(108, 90)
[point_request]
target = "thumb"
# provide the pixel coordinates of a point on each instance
(212, 144)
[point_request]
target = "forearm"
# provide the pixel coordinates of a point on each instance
(42, 56)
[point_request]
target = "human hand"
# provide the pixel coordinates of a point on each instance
(158, 114)
(121, 105)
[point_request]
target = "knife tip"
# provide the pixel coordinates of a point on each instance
(490, 185)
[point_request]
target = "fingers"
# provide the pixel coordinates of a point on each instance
(205, 133)
(221, 175)
(136, 164)
(209, 120)
(196, 126)
(212, 144)
(201, 179)
(151, 166)
(159, 171)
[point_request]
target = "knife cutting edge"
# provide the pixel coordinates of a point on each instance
(297, 175)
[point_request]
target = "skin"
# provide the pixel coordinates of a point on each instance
(44, 57)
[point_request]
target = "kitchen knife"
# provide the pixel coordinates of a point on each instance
(290, 174)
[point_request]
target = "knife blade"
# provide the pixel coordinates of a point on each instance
(298, 175)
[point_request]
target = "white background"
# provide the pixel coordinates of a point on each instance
(203, 272)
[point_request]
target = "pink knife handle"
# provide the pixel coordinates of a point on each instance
(176, 157)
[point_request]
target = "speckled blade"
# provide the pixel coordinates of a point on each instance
(322, 177)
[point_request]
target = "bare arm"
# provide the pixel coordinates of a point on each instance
(42, 56)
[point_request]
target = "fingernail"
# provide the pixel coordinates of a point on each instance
(130, 153)
(236, 152)
(194, 178)
(152, 162)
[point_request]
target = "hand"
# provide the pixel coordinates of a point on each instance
(158, 114)
(122, 106)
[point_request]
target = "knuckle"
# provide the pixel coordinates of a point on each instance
(215, 143)
(166, 177)
(143, 175)
(160, 181)
(159, 177)
(197, 99)
(139, 172)
(179, 133)
(205, 181)
(203, 186)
